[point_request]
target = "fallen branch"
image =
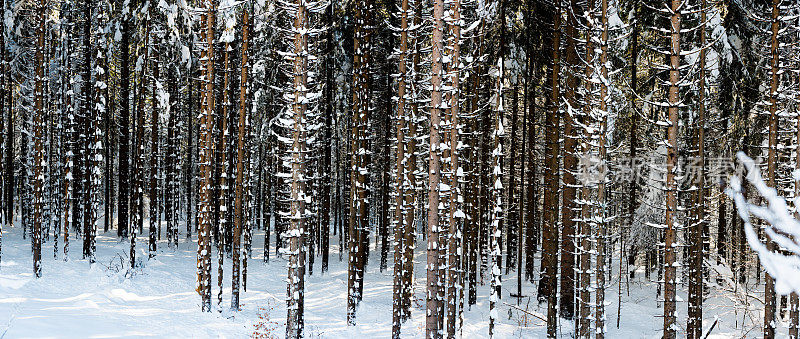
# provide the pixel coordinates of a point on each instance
(525, 311)
(716, 320)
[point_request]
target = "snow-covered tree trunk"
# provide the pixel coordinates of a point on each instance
(434, 315)
(570, 149)
(97, 148)
(452, 173)
(39, 12)
(123, 198)
(402, 170)
(602, 208)
(86, 130)
(206, 45)
(670, 241)
(496, 191)
(154, 226)
(359, 206)
(774, 74)
(550, 232)
(243, 130)
(696, 230)
(298, 200)
(584, 249)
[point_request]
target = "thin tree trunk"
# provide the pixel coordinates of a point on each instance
(154, 149)
(191, 223)
(672, 157)
(769, 288)
(401, 174)
(585, 248)
(413, 193)
(600, 316)
(496, 211)
(239, 211)
(532, 204)
(455, 215)
(4, 169)
(38, 135)
(87, 131)
(794, 310)
(327, 168)
(694, 326)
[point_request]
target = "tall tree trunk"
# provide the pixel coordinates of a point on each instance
(480, 152)
(38, 135)
(359, 208)
(511, 193)
(401, 173)
(295, 290)
(385, 171)
(239, 211)
(87, 131)
(769, 286)
(222, 188)
(172, 195)
(191, 222)
(794, 308)
(4, 142)
(532, 204)
(694, 326)
(672, 157)
(435, 305)
(602, 206)
(154, 150)
(567, 305)
(547, 284)
(206, 156)
(413, 193)
(108, 189)
(124, 129)
(585, 248)
(632, 135)
(96, 134)
(325, 214)
(455, 215)
(139, 153)
(496, 187)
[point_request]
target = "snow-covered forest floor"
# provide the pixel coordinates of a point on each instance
(76, 300)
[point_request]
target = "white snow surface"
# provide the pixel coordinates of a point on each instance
(74, 299)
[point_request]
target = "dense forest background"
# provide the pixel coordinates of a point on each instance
(568, 146)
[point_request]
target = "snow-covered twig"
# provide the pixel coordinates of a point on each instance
(782, 228)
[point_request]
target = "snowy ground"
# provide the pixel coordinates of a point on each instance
(76, 300)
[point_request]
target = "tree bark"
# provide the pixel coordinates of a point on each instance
(567, 305)
(239, 211)
(38, 135)
(434, 305)
(769, 286)
(403, 181)
(359, 211)
(206, 156)
(694, 326)
(547, 284)
(672, 157)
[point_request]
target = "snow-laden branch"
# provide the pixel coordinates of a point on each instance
(782, 228)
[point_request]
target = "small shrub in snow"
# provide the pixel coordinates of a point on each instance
(265, 327)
